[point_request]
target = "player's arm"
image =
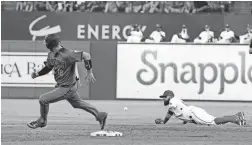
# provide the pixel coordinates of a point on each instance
(88, 65)
(87, 60)
(168, 116)
(45, 70)
(166, 119)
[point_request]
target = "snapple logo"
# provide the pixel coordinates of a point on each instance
(43, 31)
(219, 70)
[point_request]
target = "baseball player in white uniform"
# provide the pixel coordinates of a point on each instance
(205, 36)
(226, 36)
(246, 38)
(136, 35)
(181, 37)
(156, 36)
(193, 114)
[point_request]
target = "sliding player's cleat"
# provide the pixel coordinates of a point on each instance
(241, 117)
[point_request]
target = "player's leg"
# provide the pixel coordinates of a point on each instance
(75, 100)
(200, 116)
(44, 101)
(238, 119)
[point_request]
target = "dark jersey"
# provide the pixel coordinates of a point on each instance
(63, 64)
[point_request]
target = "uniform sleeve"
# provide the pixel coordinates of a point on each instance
(221, 35)
(48, 63)
(152, 35)
(76, 56)
(201, 35)
(163, 34)
(233, 34)
(170, 112)
(212, 34)
(172, 104)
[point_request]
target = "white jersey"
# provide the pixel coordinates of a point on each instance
(226, 35)
(206, 35)
(189, 113)
(135, 37)
(184, 34)
(179, 108)
(157, 36)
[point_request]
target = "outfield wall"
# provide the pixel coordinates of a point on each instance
(193, 72)
(111, 26)
(137, 71)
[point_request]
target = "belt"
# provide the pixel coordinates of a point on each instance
(67, 86)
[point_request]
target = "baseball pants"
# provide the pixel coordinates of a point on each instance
(200, 116)
(65, 93)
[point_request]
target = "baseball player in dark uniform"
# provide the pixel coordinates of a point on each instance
(62, 61)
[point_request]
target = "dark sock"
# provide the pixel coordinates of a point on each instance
(226, 119)
(44, 109)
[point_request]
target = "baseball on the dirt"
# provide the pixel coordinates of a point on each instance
(125, 108)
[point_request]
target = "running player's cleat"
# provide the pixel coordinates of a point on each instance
(102, 120)
(35, 124)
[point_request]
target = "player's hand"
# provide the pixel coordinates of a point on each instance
(90, 77)
(184, 122)
(159, 121)
(34, 75)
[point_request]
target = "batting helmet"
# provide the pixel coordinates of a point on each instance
(52, 41)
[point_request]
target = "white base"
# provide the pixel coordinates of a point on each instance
(106, 133)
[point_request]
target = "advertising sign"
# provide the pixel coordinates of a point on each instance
(196, 72)
(17, 67)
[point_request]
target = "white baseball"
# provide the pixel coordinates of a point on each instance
(125, 108)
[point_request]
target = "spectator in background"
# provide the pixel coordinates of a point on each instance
(68, 6)
(173, 6)
(156, 36)
(29, 6)
(26, 6)
(19, 6)
(136, 35)
(59, 6)
(137, 6)
(205, 36)
(181, 37)
(50, 6)
(121, 6)
(129, 7)
(201, 6)
(111, 6)
(188, 7)
(98, 6)
(152, 7)
(226, 36)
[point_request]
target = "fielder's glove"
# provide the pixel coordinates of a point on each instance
(159, 121)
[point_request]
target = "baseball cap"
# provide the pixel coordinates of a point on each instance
(167, 93)
(227, 26)
(184, 26)
(158, 26)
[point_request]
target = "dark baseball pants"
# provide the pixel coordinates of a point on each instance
(65, 93)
